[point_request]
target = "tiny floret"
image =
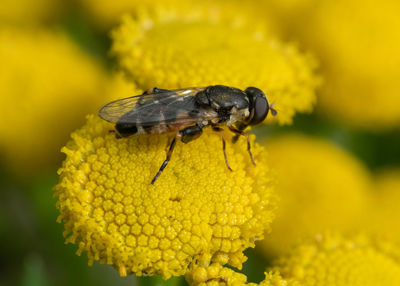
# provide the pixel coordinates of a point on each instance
(216, 274)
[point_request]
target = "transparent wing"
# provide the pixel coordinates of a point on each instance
(176, 106)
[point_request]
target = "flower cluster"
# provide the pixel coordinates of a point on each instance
(196, 210)
(198, 217)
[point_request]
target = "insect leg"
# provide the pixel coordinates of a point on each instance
(117, 135)
(240, 127)
(221, 130)
(239, 132)
(188, 134)
(169, 153)
(159, 90)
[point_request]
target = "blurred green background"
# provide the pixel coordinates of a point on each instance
(32, 249)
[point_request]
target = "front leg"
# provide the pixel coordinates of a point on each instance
(239, 132)
(188, 134)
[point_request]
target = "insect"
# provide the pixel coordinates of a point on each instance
(186, 112)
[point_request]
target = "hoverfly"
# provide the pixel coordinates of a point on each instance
(186, 112)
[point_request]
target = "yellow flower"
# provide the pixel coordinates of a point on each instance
(215, 274)
(321, 187)
(196, 210)
(334, 260)
(47, 86)
(357, 43)
(384, 216)
(172, 50)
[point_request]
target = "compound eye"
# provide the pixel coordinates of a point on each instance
(260, 109)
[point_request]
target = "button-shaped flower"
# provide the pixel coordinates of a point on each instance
(321, 187)
(197, 209)
(43, 97)
(334, 260)
(357, 44)
(201, 48)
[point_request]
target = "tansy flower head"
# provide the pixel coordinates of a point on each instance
(197, 209)
(47, 85)
(171, 50)
(320, 187)
(334, 260)
(357, 44)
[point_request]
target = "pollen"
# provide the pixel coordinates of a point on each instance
(172, 50)
(197, 210)
(335, 260)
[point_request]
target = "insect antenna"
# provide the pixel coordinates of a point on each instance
(274, 111)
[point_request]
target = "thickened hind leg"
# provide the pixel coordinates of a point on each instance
(188, 134)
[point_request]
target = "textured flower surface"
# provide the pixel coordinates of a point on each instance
(359, 58)
(172, 50)
(197, 209)
(334, 260)
(321, 187)
(40, 87)
(215, 274)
